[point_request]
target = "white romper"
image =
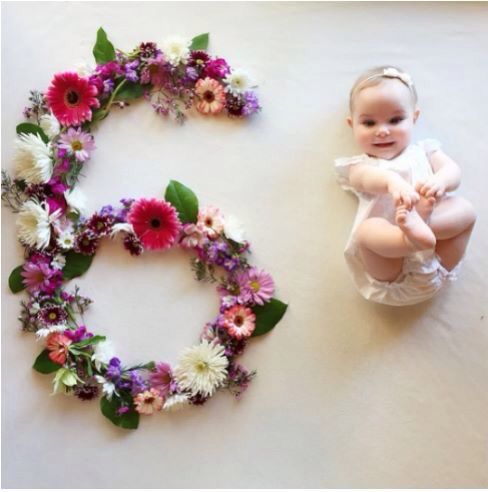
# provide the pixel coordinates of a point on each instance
(422, 275)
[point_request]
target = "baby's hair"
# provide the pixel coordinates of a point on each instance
(375, 76)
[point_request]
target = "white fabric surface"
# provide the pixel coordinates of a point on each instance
(348, 393)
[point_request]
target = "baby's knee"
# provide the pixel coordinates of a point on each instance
(469, 211)
(368, 229)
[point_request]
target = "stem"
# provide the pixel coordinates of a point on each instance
(114, 93)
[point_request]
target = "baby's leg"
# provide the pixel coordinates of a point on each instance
(452, 222)
(383, 246)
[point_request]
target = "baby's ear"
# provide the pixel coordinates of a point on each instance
(349, 121)
(416, 114)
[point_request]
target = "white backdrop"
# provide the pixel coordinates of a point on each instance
(348, 393)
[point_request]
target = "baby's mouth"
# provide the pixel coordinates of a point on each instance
(384, 144)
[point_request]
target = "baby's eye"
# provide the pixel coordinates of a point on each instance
(368, 123)
(396, 120)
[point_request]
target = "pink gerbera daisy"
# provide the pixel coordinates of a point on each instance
(210, 221)
(155, 222)
(71, 98)
(77, 143)
(57, 345)
(211, 96)
(148, 401)
(161, 378)
(258, 284)
(239, 321)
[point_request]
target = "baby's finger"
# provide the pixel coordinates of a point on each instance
(406, 200)
(432, 191)
(418, 186)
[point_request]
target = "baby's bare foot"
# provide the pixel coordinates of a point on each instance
(417, 233)
(424, 207)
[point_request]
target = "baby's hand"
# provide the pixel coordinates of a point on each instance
(403, 193)
(433, 187)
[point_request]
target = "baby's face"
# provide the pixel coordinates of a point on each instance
(383, 118)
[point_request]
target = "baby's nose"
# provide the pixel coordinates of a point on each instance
(382, 131)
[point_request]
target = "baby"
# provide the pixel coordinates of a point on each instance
(410, 232)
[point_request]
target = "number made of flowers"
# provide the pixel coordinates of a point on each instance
(60, 241)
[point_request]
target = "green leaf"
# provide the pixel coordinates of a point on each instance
(16, 281)
(129, 420)
(99, 115)
(200, 42)
(88, 341)
(31, 128)
(184, 200)
(44, 364)
(103, 51)
(268, 316)
(130, 90)
(76, 264)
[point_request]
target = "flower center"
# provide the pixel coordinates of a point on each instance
(238, 320)
(255, 285)
(52, 316)
(76, 145)
(209, 96)
(201, 366)
(72, 97)
(149, 400)
(208, 222)
(155, 223)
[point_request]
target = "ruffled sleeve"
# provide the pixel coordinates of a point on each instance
(342, 166)
(429, 146)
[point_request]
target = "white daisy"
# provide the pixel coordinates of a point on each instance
(66, 239)
(102, 354)
(202, 369)
(176, 49)
(33, 159)
(34, 224)
(50, 125)
(238, 82)
(108, 388)
(175, 402)
(233, 229)
(76, 200)
(83, 68)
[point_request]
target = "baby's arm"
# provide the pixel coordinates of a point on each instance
(370, 179)
(447, 176)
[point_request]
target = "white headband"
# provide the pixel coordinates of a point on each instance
(392, 73)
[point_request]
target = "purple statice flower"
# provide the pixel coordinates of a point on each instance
(38, 276)
(216, 69)
(161, 378)
(107, 210)
(239, 378)
(251, 104)
(114, 369)
(101, 225)
(130, 71)
(79, 334)
(77, 143)
(52, 315)
(108, 87)
(138, 385)
(67, 297)
(190, 74)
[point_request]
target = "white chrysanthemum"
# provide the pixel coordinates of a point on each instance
(122, 227)
(76, 200)
(108, 388)
(66, 239)
(50, 125)
(176, 49)
(42, 333)
(202, 369)
(83, 68)
(175, 403)
(238, 82)
(233, 229)
(102, 353)
(34, 224)
(33, 159)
